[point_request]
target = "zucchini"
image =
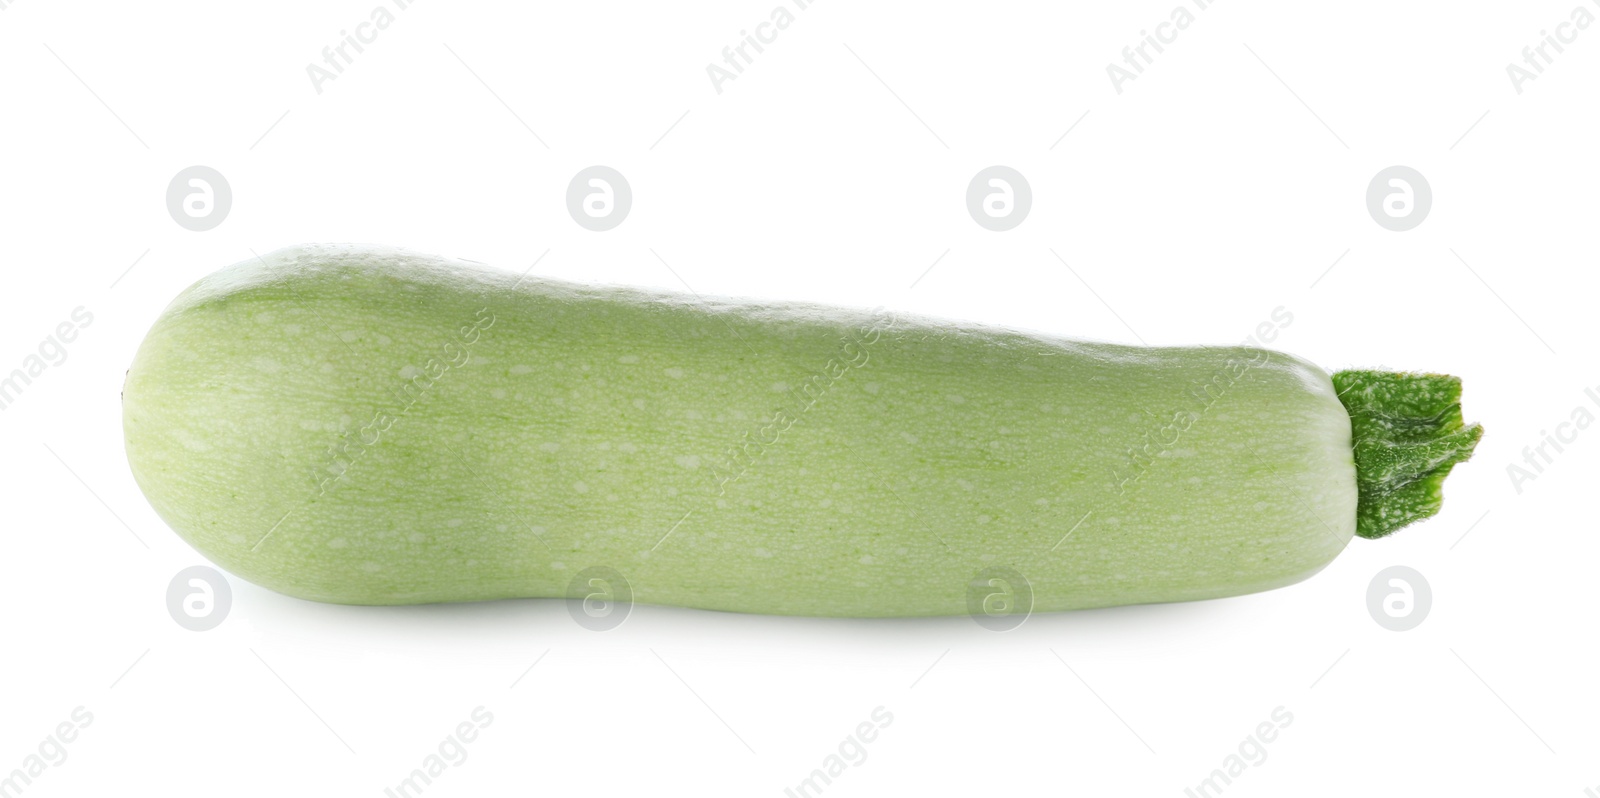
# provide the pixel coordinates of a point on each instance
(366, 425)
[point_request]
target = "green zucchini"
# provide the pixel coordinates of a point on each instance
(370, 426)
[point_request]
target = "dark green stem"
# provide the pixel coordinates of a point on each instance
(1407, 433)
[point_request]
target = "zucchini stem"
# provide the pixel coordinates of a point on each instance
(1407, 433)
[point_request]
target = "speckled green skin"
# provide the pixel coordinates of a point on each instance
(369, 426)
(1407, 433)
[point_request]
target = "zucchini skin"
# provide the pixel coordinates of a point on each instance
(366, 425)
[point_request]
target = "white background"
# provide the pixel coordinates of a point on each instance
(1219, 185)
